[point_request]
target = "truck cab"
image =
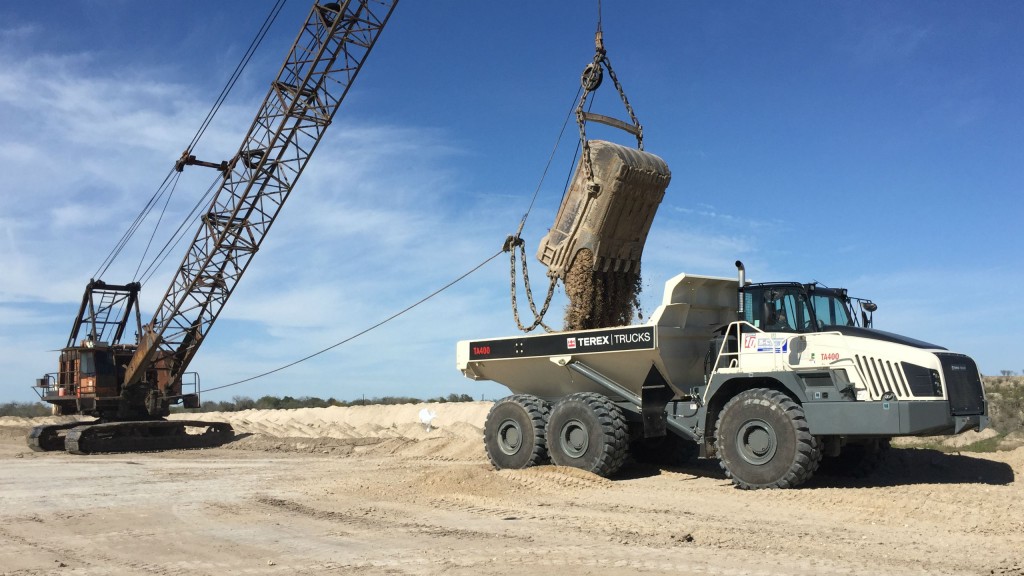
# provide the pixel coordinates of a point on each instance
(794, 307)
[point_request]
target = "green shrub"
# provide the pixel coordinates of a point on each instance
(25, 409)
(1005, 402)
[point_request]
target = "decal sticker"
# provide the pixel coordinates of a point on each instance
(772, 345)
(605, 340)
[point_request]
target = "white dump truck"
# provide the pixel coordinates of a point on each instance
(769, 378)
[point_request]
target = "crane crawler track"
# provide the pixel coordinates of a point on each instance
(146, 436)
(50, 437)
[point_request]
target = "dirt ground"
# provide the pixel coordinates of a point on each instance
(370, 490)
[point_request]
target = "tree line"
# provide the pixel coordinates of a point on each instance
(239, 403)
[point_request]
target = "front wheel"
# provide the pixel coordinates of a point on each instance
(763, 441)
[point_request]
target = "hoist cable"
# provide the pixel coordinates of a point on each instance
(174, 185)
(123, 241)
(547, 166)
(179, 234)
(358, 334)
(516, 240)
(256, 41)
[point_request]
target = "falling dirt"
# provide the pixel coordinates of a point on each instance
(599, 299)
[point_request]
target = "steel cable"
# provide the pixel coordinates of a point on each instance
(364, 331)
(179, 234)
(154, 199)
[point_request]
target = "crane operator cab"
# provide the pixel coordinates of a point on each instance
(794, 307)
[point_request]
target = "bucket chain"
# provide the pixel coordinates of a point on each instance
(591, 80)
(511, 243)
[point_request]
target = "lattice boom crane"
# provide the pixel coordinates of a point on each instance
(130, 387)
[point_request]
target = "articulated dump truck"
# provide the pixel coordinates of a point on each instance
(773, 379)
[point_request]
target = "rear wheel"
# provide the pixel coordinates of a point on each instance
(588, 431)
(514, 432)
(763, 441)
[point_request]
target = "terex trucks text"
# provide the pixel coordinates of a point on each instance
(769, 378)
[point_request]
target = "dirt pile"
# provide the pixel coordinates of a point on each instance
(454, 431)
(599, 299)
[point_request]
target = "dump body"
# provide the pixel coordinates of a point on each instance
(609, 216)
(675, 340)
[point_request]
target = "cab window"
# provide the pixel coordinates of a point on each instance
(87, 363)
(830, 311)
(776, 309)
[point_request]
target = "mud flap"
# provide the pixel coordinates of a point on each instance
(654, 396)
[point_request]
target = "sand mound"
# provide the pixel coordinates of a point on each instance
(454, 433)
(401, 420)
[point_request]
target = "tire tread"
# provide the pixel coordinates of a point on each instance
(614, 428)
(808, 450)
(538, 411)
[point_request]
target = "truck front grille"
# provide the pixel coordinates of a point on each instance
(883, 377)
(903, 380)
(899, 380)
(963, 384)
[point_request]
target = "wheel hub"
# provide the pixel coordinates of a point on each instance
(510, 437)
(756, 442)
(574, 439)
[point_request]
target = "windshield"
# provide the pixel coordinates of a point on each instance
(830, 310)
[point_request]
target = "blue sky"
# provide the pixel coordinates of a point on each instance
(873, 145)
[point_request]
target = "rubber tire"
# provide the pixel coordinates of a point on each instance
(525, 416)
(588, 431)
(857, 460)
(763, 441)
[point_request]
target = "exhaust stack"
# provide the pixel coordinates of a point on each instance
(743, 282)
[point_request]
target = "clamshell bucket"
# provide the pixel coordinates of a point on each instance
(609, 215)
